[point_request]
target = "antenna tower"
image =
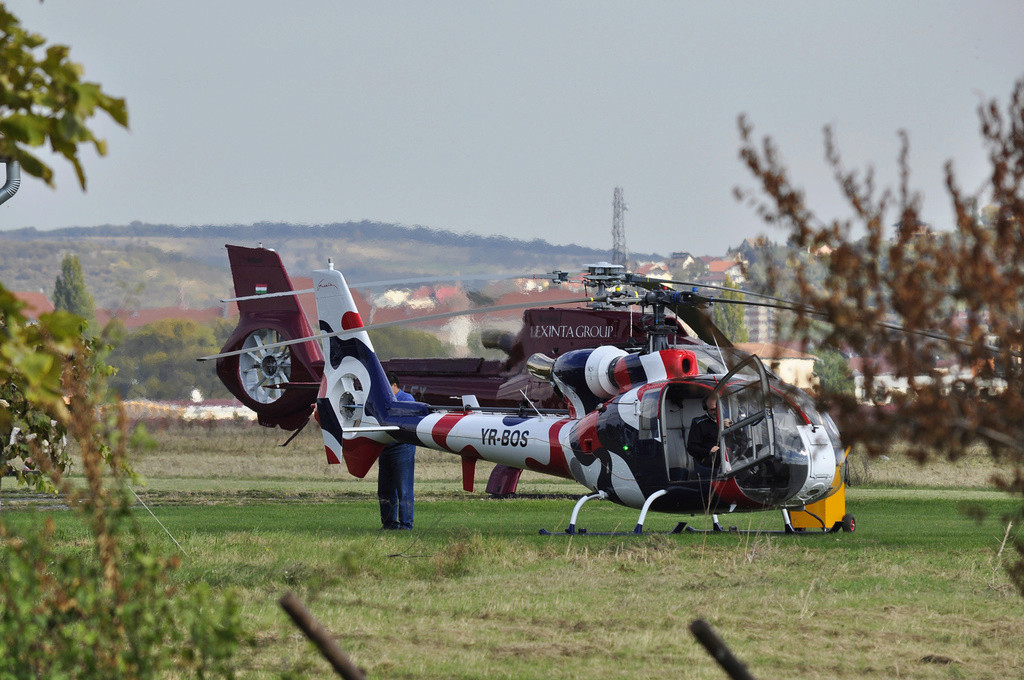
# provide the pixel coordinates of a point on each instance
(619, 252)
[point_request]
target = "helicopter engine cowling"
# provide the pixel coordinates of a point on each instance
(588, 377)
(582, 376)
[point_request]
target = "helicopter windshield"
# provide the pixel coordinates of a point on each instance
(818, 419)
(788, 444)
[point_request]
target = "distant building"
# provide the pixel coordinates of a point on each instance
(791, 365)
(681, 260)
(719, 270)
(915, 229)
(760, 323)
(36, 304)
(654, 270)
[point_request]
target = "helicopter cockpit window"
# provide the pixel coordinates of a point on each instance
(745, 426)
(747, 433)
(708, 361)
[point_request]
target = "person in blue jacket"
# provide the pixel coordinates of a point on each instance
(396, 471)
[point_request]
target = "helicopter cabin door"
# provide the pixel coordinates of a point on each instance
(746, 433)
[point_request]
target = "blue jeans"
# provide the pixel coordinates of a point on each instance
(396, 468)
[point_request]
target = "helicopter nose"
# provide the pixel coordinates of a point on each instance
(821, 467)
(817, 489)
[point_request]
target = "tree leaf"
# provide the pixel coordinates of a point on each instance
(24, 128)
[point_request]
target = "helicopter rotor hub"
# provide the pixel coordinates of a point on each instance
(269, 364)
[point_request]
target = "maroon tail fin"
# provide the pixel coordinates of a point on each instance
(279, 384)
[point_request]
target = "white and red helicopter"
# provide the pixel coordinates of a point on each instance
(624, 433)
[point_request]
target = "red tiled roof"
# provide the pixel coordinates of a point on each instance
(421, 293)
(448, 293)
(35, 303)
(540, 298)
(721, 265)
(405, 313)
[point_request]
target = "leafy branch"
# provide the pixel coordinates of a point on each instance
(43, 98)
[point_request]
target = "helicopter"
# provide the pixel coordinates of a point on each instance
(280, 385)
(623, 435)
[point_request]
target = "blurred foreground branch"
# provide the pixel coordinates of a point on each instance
(933, 315)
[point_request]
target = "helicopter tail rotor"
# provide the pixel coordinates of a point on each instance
(355, 401)
(278, 383)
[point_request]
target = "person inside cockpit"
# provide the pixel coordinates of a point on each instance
(702, 442)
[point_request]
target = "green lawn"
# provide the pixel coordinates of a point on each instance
(474, 591)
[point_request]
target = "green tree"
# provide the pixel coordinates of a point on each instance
(832, 370)
(44, 99)
(32, 409)
(69, 291)
(158, 361)
(395, 341)
(731, 318)
(109, 608)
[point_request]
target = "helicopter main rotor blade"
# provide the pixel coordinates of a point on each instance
(439, 279)
(701, 324)
(401, 282)
(401, 322)
(788, 306)
(633, 278)
(887, 325)
(264, 296)
(784, 304)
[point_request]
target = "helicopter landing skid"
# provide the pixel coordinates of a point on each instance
(681, 527)
(571, 531)
(788, 529)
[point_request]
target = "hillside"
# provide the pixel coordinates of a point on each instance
(142, 265)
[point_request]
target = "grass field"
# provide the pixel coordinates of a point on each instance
(474, 591)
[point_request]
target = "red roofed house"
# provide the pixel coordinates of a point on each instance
(654, 270)
(35, 304)
(718, 270)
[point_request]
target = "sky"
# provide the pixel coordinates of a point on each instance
(516, 118)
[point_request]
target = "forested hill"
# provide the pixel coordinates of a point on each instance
(144, 265)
